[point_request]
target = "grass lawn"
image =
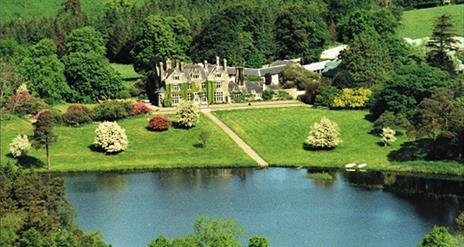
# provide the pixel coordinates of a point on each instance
(419, 23)
(127, 71)
(278, 135)
(13, 9)
(147, 149)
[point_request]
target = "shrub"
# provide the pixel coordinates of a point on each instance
(268, 94)
(139, 108)
(460, 222)
(323, 135)
(19, 146)
(396, 122)
(110, 137)
(187, 114)
(203, 138)
(167, 103)
(282, 95)
(111, 110)
(23, 103)
(388, 136)
(258, 241)
(352, 98)
(77, 114)
(325, 96)
(438, 237)
(159, 122)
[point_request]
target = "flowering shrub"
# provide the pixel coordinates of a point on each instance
(388, 136)
(19, 146)
(111, 110)
(323, 135)
(77, 114)
(187, 114)
(159, 122)
(110, 137)
(23, 103)
(352, 98)
(139, 108)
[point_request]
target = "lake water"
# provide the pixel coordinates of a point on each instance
(283, 204)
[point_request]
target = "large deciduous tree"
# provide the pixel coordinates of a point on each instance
(87, 70)
(44, 72)
(442, 42)
(301, 32)
(157, 42)
(69, 17)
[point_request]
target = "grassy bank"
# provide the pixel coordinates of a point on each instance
(126, 71)
(169, 149)
(14, 9)
(278, 135)
(419, 23)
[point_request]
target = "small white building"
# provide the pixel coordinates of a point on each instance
(332, 53)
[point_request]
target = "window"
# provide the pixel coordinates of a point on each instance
(190, 96)
(197, 98)
(218, 84)
(176, 77)
(203, 85)
(218, 75)
(175, 87)
(175, 99)
(218, 97)
(196, 76)
(204, 99)
(189, 86)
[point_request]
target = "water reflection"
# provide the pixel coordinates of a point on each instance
(353, 209)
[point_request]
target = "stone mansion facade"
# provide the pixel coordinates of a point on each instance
(202, 83)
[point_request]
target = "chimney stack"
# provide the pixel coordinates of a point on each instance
(181, 65)
(168, 64)
(225, 64)
(205, 64)
(217, 61)
(177, 64)
(161, 67)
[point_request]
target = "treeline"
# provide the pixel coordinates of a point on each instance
(245, 32)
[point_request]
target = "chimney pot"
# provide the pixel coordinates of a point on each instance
(217, 61)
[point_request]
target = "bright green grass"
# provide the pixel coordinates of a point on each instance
(147, 149)
(126, 70)
(14, 9)
(278, 135)
(419, 23)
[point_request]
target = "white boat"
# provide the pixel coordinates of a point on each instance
(350, 165)
(362, 165)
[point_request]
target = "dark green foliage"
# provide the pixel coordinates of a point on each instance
(325, 96)
(111, 110)
(91, 77)
(268, 94)
(460, 222)
(301, 32)
(258, 241)
(85, 40)
(438, 237)
(407, 88)
(441, 42)
(397, 122)
(34, 212)
(10, 80)
(296, 76)
(366, 62)
(77, 114)
(11, 52)
(158, 41)
(44, 72)
(69, 18)
(43, 132)
(208, 232)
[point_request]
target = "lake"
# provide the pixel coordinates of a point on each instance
(290, 209)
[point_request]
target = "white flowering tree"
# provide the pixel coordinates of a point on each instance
(388, 136)
(19, 146)
(187, 114)
(110, 137)
(323, 135)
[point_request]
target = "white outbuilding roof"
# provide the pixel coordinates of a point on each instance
(333, 52)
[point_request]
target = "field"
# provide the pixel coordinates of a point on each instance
(419, 23)
(127, 71)
(278, 135)
(13, 9)
(147, 149)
